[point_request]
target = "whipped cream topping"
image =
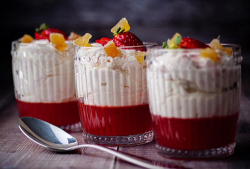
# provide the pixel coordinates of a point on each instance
(190, 69)
(42, 73)
(105, 81)
(186, 85)
(97, 57)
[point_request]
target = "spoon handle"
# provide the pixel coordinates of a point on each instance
(125, 157)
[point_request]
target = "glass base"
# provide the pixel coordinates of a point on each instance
(72, 127)
(197, 154)
(129, 140)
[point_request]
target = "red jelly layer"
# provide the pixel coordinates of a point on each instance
(195, 134)
(59, 114)
(115, 121)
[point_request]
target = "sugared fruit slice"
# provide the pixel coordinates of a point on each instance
(111, 50)
(173, 43)
(210, 53)
(215, 44)
(83, 41)
(58, 40)
(73, 36)
(27, 39)
(140, 56)
(123, 24)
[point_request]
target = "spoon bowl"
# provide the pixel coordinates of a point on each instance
(46, 134)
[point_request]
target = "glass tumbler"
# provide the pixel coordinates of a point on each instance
(112, 96)
(44, 83)
(194, 101)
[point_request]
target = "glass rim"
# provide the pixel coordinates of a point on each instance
(68, 42)
(236, 51)
(145, 44)
(225, 45)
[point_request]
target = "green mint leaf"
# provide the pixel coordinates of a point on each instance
(164, 45)
(177, 40)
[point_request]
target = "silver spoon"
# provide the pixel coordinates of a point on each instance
(54, 138)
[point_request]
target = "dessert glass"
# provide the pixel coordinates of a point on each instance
(44, 83)
(112, 96)
(194, 102)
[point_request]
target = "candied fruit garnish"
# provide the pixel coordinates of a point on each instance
(88, 45)
(140, 56)
(73, 36)
(215, 44)
(174, 42)
(112, 50)
(123, 24)
(26, 39)
(210, 53)
(83, 41)
(58, 40)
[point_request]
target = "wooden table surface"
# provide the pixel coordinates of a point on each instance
(17, 151)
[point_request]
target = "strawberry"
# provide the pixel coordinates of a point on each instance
(192, 43)
(39, 36)
(103, 41)
(43, 32)
(126, 39)
(48, 31)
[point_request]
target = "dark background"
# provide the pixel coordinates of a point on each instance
(150, 20)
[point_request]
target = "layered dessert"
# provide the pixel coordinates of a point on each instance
(194, 96)
(111, 88)
(43, 73)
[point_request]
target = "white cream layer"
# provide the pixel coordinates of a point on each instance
(107, 81)
(43, 74)
(181, 86)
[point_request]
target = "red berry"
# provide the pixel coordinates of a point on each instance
(43, 32)
(103, 41)
(48, 31)
(39, 36)
(192, 43)
(128, 39)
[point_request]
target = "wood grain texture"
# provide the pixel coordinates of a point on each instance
(6, 96)
(16, 151)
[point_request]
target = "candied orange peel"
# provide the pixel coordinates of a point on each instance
(27, 39)
(112, 50)
(83, 41)
(58, 40)
(123, 24)
(211, 52)
(140, 57)
(215, 44)
(73, 36)
(174, 42)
